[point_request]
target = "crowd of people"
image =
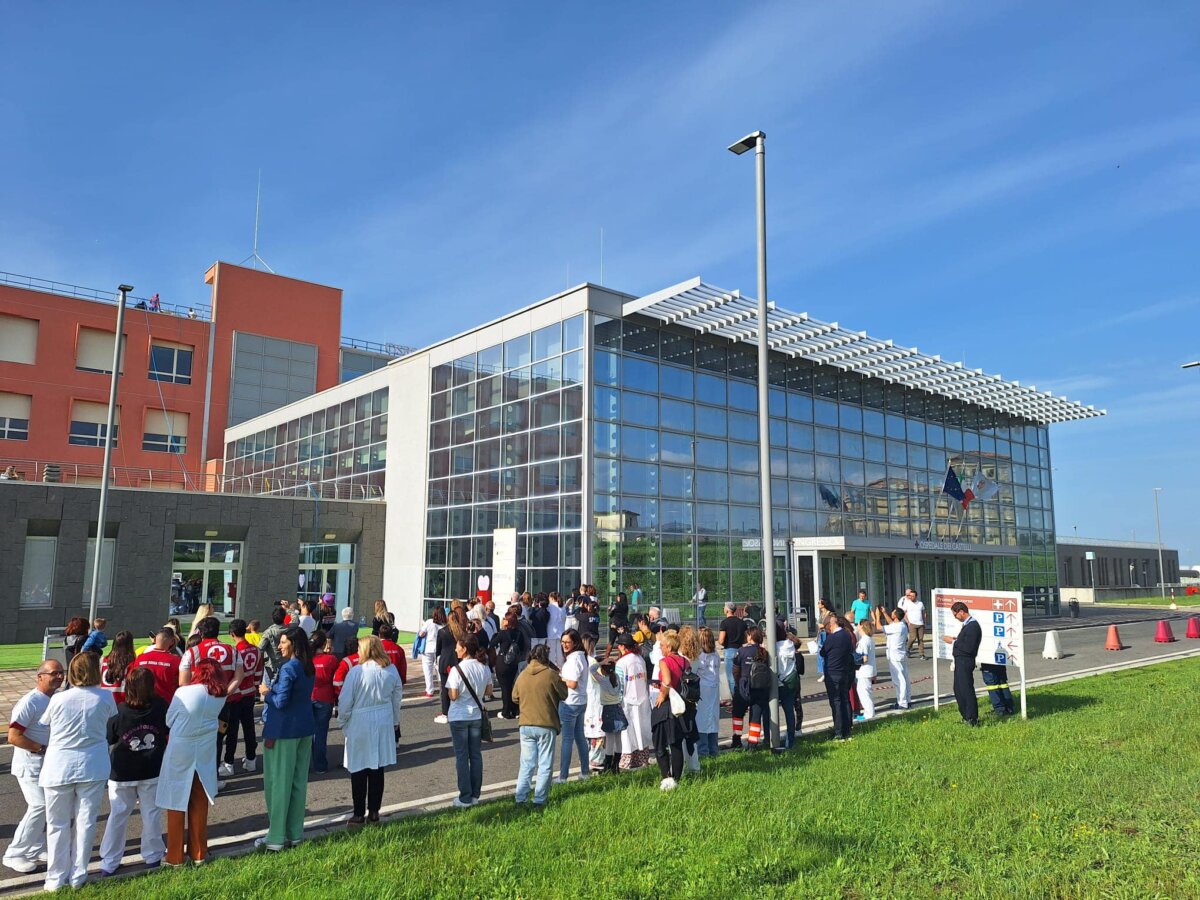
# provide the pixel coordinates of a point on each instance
(159, 726)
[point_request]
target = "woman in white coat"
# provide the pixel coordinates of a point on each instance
(636, 740)
(75, 770)
(429, 631)
(369, 710)
(187, 782)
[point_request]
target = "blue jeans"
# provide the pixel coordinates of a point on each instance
(537, 752)
(468, 758)
(571, 718)
(820, 658)
(700, 610)
(322, 713)
(730, 653)
(707, 744)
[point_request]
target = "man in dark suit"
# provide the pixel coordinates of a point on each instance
(965, 647)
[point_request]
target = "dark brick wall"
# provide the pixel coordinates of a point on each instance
(148, 523)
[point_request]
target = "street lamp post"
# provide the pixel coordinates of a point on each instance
(123, 290)
(1162, 573)
(757, 142)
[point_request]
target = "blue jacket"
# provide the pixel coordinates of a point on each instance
(288, 712)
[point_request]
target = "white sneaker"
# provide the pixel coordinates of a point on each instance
(668, 784)
(226, 770)
(820, 678)
(221, 785)
(24, 866)
(441, 720)
(458, 804)
(249, 765)
(557, 780)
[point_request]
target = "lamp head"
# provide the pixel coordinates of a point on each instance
(747, 143)
(125, 288)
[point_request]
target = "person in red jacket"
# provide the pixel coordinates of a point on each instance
(323, 698)
(395, 653)
(163, 663)
(241, 702)
(339, 676)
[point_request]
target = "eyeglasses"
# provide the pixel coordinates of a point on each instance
(51, 674)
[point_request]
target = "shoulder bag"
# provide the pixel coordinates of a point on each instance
(485, 724)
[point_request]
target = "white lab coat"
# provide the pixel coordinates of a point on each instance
(631, 672)
(192, 718)
(708, 711)
(369, 708)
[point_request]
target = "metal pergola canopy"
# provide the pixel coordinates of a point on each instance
(706, 309)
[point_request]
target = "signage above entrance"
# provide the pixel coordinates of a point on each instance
(780, 544)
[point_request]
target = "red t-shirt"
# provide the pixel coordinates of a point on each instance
(164, 666)
(395, 653)
(252, 663)
(114, 684)
(344, 667)
(326, 665)
(678, 665)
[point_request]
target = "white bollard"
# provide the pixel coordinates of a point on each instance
(1053, 649)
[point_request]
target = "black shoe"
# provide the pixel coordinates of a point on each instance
(974, 723)
(356, 822)
(736, 742)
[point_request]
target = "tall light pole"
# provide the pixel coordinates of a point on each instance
(1162, 573)
(758, 142)
(123, 290)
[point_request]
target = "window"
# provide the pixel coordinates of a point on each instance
(165, 432)
(107, 557)
(209, 572)
(37, 574)
(18, 340)
(14, 416)
(89, 424)
(170, 362)
(94, 351)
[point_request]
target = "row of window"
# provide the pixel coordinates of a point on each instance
(331, 423)
(540, 514)
(165, 432)
(515, 353)
(681, 349)
(529, 381)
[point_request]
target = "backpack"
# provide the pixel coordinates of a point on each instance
(512, 653)
(760, 675)
(689, 687)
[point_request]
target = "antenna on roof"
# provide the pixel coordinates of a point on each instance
(254, 259)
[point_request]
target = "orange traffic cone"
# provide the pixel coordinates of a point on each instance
(1164, 635)
(1194, 627)
(1114, 639)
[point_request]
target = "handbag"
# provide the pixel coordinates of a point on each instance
(678, 704)
(418, 645)
(485, 724)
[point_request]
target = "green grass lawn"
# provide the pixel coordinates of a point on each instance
(26, 656)
(1157, 600)
(1095, 796)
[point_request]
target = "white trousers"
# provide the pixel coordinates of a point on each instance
(863, 684)
(71, 813)
(123, 796)
(898, 666)
(29, 840)
(429, 666)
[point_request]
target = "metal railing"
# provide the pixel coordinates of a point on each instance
(89, 475)
(64, 289)
(387, 347)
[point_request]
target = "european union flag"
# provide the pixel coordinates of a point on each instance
(952, 486)
(832, 500)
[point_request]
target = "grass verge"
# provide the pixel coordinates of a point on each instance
(1183, 602)
(1094, 796)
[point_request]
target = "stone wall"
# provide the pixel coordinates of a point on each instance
(147, 524)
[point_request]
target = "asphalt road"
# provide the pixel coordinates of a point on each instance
(424, 774)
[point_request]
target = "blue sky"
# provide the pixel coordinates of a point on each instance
(1015, 185)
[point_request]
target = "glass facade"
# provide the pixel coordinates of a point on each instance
(676, 468)
(337, 452)
(205, 572)
(506, 450)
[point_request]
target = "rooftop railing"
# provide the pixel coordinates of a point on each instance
(64, 289)
(387, 347)
(89, 475)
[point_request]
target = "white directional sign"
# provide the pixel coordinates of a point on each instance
(504, 567)
(998, 614)
(1000, 618)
